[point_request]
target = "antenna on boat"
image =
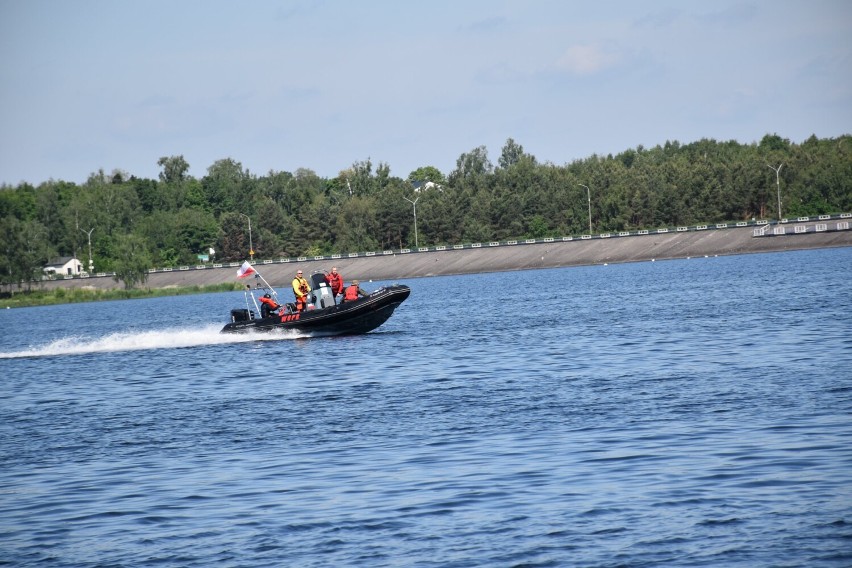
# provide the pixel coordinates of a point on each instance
(248, 294)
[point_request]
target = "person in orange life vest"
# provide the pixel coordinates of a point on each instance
(301, 289)
(353, 291)
(335, 282)
(268, 305)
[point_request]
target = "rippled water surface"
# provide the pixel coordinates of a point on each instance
(682, 413)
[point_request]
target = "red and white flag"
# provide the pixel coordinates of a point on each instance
(245, 270)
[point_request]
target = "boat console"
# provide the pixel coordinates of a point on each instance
(322, 296)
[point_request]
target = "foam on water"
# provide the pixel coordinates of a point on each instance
(142, 340)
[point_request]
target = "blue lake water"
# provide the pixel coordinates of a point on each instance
(681, 413)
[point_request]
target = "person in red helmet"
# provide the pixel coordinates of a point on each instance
(268, 305)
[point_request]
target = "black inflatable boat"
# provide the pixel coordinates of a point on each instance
(324, 316)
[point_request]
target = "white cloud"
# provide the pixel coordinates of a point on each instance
(587, 59)
(322, 84)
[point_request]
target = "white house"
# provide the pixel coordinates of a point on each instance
(424, 185)
(64, 265)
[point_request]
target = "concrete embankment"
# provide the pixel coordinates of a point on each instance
(486, 258)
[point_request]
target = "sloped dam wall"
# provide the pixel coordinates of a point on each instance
(511, 255)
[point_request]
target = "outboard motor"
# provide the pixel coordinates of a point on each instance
(241, 315)
(323, 297)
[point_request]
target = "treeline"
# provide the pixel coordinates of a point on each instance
(134, 223)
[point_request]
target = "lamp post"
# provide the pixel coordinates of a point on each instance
(777, 185)
(414, 203)
(251, 248)
(91, 262)
(589, 194)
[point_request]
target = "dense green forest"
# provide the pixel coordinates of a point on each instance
(135, 223)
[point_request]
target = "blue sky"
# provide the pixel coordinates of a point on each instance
(110, 84)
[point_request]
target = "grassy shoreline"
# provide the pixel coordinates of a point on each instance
(25, 299)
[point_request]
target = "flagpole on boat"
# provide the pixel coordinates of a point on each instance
(266, 285)
(247, 269)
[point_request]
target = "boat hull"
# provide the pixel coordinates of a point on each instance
(349, 318)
